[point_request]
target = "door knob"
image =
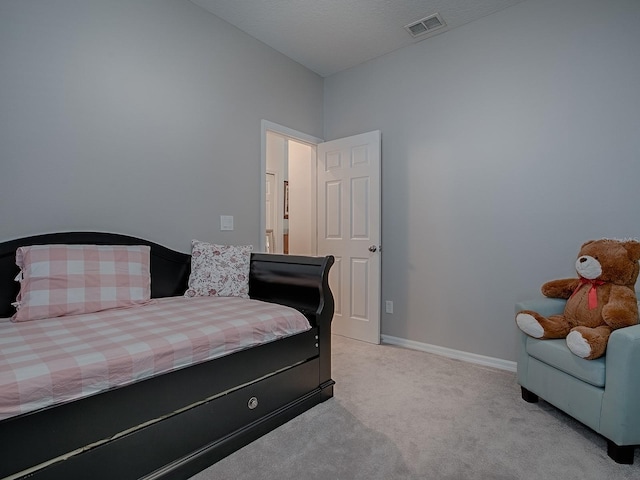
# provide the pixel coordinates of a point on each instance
(373, 248)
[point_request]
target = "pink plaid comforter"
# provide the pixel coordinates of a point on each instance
(50, 361)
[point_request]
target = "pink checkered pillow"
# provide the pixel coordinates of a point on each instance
(57, 280)
(219, 270)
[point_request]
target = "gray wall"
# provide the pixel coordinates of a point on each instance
(140, 117)
(506, 144)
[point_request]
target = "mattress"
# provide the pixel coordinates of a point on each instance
(51, 361)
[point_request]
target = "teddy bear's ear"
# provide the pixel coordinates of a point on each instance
(633, 248)
(586, 243)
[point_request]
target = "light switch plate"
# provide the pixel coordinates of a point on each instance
(226, 222)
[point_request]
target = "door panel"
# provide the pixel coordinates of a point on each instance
(348, 225)
(359, 288)
(359, 211)
(333, 209)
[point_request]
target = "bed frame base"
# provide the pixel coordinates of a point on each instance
(196, 438)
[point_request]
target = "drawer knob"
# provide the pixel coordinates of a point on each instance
(252, 403)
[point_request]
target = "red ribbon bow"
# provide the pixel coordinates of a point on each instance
(593, 294)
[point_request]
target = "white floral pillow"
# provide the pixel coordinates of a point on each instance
(219, 270)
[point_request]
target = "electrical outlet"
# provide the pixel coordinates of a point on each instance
(388, 305)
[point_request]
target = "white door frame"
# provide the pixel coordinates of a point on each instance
(287, 132)
(373, 305)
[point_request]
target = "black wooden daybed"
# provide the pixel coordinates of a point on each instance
(173, 425)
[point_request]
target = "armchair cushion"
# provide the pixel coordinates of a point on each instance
(556, 354)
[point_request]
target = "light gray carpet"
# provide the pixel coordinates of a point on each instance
(403, 414)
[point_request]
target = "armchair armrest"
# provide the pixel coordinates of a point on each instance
(620, 419)
(543, 305)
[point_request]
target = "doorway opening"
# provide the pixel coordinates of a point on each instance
(289, 213)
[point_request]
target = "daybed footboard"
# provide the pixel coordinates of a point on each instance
(301, 283)
(176, 424)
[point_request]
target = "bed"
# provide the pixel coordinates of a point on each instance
(174, 424)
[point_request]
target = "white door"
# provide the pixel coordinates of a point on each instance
(349, 229)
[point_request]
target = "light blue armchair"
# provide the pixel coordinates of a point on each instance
(604, 394)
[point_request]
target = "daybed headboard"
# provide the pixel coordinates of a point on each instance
(169, 269)
(297, 281)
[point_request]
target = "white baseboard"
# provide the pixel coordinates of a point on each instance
(451, 353)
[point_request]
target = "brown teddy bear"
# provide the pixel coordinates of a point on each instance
(600, 301)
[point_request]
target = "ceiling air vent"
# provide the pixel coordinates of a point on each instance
(426, 25)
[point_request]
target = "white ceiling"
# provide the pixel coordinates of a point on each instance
(328, 36)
